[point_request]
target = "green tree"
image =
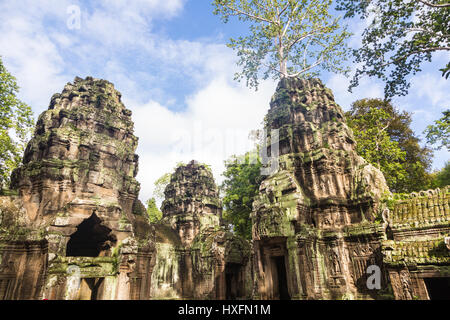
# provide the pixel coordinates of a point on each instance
(161, 183)
(439, 133)
(441, 178)
(241, 185)
(16, 124)
(398, 153)
(403, 34)
(154, 214)
(375, 145)
(288, 38)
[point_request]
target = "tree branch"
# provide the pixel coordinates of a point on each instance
(426, 31)
(256, 17)
(313, 32)
(286, 28)
(433, 5)
(274, 69)
(414, 52)
(289, 20)
(304, 52)
(318, 61)
(284, 9)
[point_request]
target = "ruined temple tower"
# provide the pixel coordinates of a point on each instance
(77, 198)
(197, 258)
(192, 204)
(313, 227)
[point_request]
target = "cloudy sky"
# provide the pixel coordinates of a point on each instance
(169, 60)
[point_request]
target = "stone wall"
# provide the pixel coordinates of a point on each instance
(415, 253)
(23, 253)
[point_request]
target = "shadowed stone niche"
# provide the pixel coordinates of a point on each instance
(91, 239)
(197, 258)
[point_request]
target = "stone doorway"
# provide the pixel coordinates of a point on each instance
(273, 267)
(91, 239)
(438, 288)
(6, 288)
(234, 283)
(91, 289)
(279, 278)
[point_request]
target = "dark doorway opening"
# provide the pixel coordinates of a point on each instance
(279, 276)
(233, 281)
(438, 288)
(91, 289)
(91, 239)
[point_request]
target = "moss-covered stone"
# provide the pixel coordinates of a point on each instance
(322, 200)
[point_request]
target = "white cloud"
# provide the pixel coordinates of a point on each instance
(28, 52)
(43, 53)
(44, 56)
(434, 88)
(214, 126)
(134, 8)
(367, 88)
(217, 117)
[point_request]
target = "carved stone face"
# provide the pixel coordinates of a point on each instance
(187, 232)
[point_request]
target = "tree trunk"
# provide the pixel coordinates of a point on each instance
(283, 68)
(283, 61)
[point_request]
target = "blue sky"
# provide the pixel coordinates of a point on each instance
(169, 60)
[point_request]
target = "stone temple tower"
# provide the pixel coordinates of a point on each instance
(192, 202)
(312, 220)
(197, 257)
(78, 193)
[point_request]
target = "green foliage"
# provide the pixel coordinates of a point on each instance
(16, 123)
(162, 182)
(241, 185)
(439, 133)
(160, 185)
(385, 139)
(441, 178)
(154, 214)
(446, 71)
(402, 35)
(288, 38)
(375, 145)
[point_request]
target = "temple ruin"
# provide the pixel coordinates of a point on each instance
(206, 261)
(313, 221)
(72, 226)
(75, 217)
